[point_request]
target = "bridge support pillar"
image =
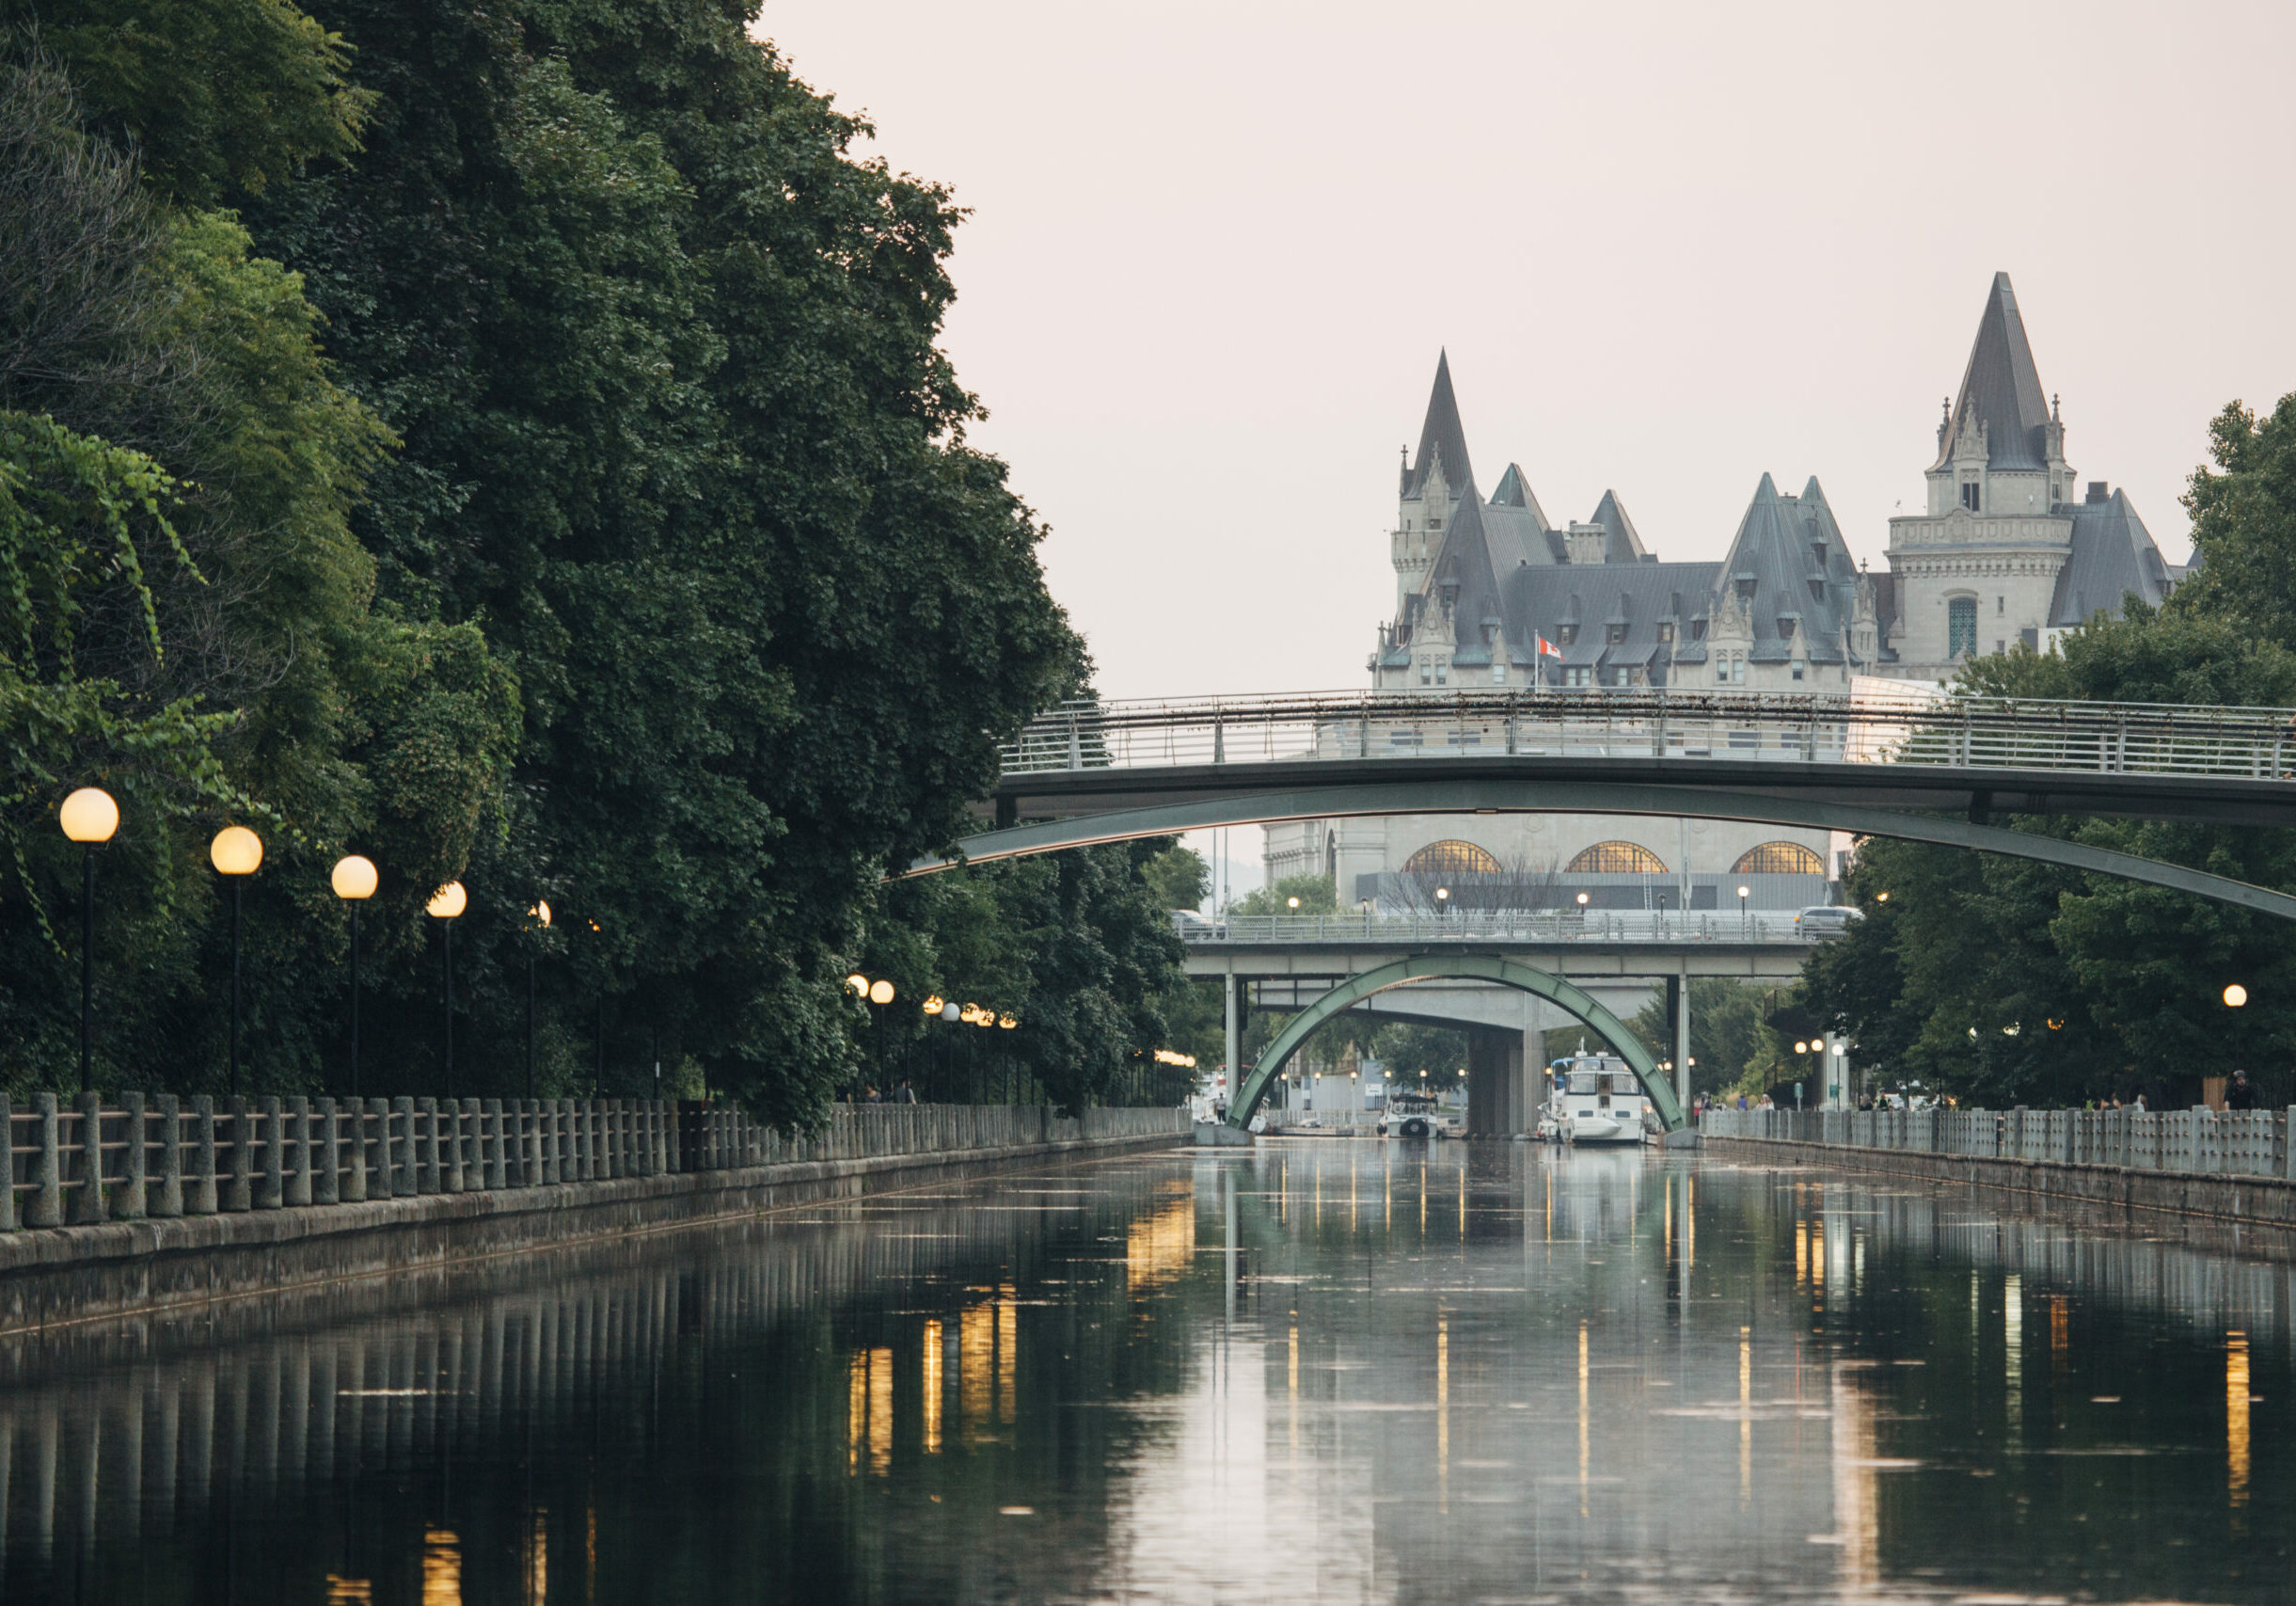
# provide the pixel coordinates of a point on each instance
(1232, 1041)
(1678, 1006)
(1497, 1105)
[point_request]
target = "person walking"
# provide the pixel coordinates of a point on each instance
(907, 1094)
(2240, 1095)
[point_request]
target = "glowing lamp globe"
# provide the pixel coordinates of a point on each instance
(541, 912)
(932, 1005)
(1008, 1020)
(2236, 995)
(355, 877)
(880, 992)
(90, 815)
(447, 901)
(236, 851)
(949, 1012)
(859, 983)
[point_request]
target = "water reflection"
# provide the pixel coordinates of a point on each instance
(1319, 1370)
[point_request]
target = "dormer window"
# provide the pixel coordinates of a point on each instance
(1666, 631)
(1969, 496)
(1614, 634)
(1785, 626)
(1569, 634)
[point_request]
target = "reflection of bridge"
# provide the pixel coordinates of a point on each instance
(1114, 771)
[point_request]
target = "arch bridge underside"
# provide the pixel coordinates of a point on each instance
(1477, 967)
(1502, 796)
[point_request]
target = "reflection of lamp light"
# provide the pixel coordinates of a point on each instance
(2236, 995)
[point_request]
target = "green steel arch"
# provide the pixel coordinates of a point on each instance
(1476, 967)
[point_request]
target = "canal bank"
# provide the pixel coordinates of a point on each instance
(56, 1276)
(2233, 1200)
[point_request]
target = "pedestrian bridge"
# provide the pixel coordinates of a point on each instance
(1581, 943)
(1112, 771)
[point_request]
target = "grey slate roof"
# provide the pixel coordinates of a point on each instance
(1442, 432)
(1539, 601)
(2113, 555)
(1515, 491)
(1789, 563)
(2002, 386)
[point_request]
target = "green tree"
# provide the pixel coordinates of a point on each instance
(1316, 895)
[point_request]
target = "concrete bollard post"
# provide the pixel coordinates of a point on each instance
(239, 1189)
(498, 1172)
(200, 1198)
(45, 1208)
(298, 1151)
(658, 1149)
(474, 1146)
(351, 1121)
(271, 1191)
(426, 1145)
(128, 1204)
(403, 1168)
(326, 1154)
(553, 1152)
(2287, 1143)
(594, 1155)
(606, 1171)
(522, 1146)
(8, 1165)
(85, 1160)
(451, 1147)
(377, 1135)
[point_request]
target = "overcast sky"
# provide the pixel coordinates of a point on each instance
(1215, 248)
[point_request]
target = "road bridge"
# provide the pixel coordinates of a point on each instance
(1113, 772)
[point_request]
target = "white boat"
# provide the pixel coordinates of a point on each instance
(1595, 1098)
(1416, 1115)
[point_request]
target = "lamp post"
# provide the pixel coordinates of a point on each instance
(88, 817)
(236, 853)
(541, 913)
(445, 906)
(354, 880)
(1742, 916)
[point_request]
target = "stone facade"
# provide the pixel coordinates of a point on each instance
(1490, 594)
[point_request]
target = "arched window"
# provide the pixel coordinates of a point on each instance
(1961, 626)
(1779, 859)
(1616, 859)
(1451, 858)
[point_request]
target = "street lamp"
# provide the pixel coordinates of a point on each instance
(446, 906)
(1742, 893)
(2236, 995)
(541, 916)
(236, 852)
(88, 817)
(354, 880)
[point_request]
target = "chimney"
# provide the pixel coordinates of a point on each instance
(1587, 543)
(2099, 491)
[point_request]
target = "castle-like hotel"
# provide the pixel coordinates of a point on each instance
(2011, 548)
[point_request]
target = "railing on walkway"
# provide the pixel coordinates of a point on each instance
(2201, 1140)
(91, 1161)
(1517, 926)
(1911, 726)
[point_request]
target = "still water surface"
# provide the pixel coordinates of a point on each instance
(1341, 1371)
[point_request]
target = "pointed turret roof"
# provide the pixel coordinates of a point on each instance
(2112, 557)
(1515, 491)
(1624, 544)
(2001, 389)
(1776, 559)
(1441, 433)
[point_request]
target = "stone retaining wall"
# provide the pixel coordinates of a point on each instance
(70, 1274)
(2257, 1200)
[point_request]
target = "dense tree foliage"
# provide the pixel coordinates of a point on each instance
(2003, 980)
(546, 476)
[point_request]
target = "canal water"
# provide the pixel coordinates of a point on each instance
(1345, 1371)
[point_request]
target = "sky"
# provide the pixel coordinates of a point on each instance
(1214, 250)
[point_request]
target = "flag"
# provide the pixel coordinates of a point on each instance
(1548, 649)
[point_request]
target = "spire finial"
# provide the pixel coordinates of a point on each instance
(2055, 409)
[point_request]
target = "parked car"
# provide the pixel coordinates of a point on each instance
(1826, 920)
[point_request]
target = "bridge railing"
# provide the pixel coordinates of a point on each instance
(1914, 727)
(1509, 925)
(134, 1158)
(2198, 1140)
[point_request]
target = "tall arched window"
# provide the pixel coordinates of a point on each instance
(1616, 859)
(1961, 626)
(1779, 859)
(1451, 858)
